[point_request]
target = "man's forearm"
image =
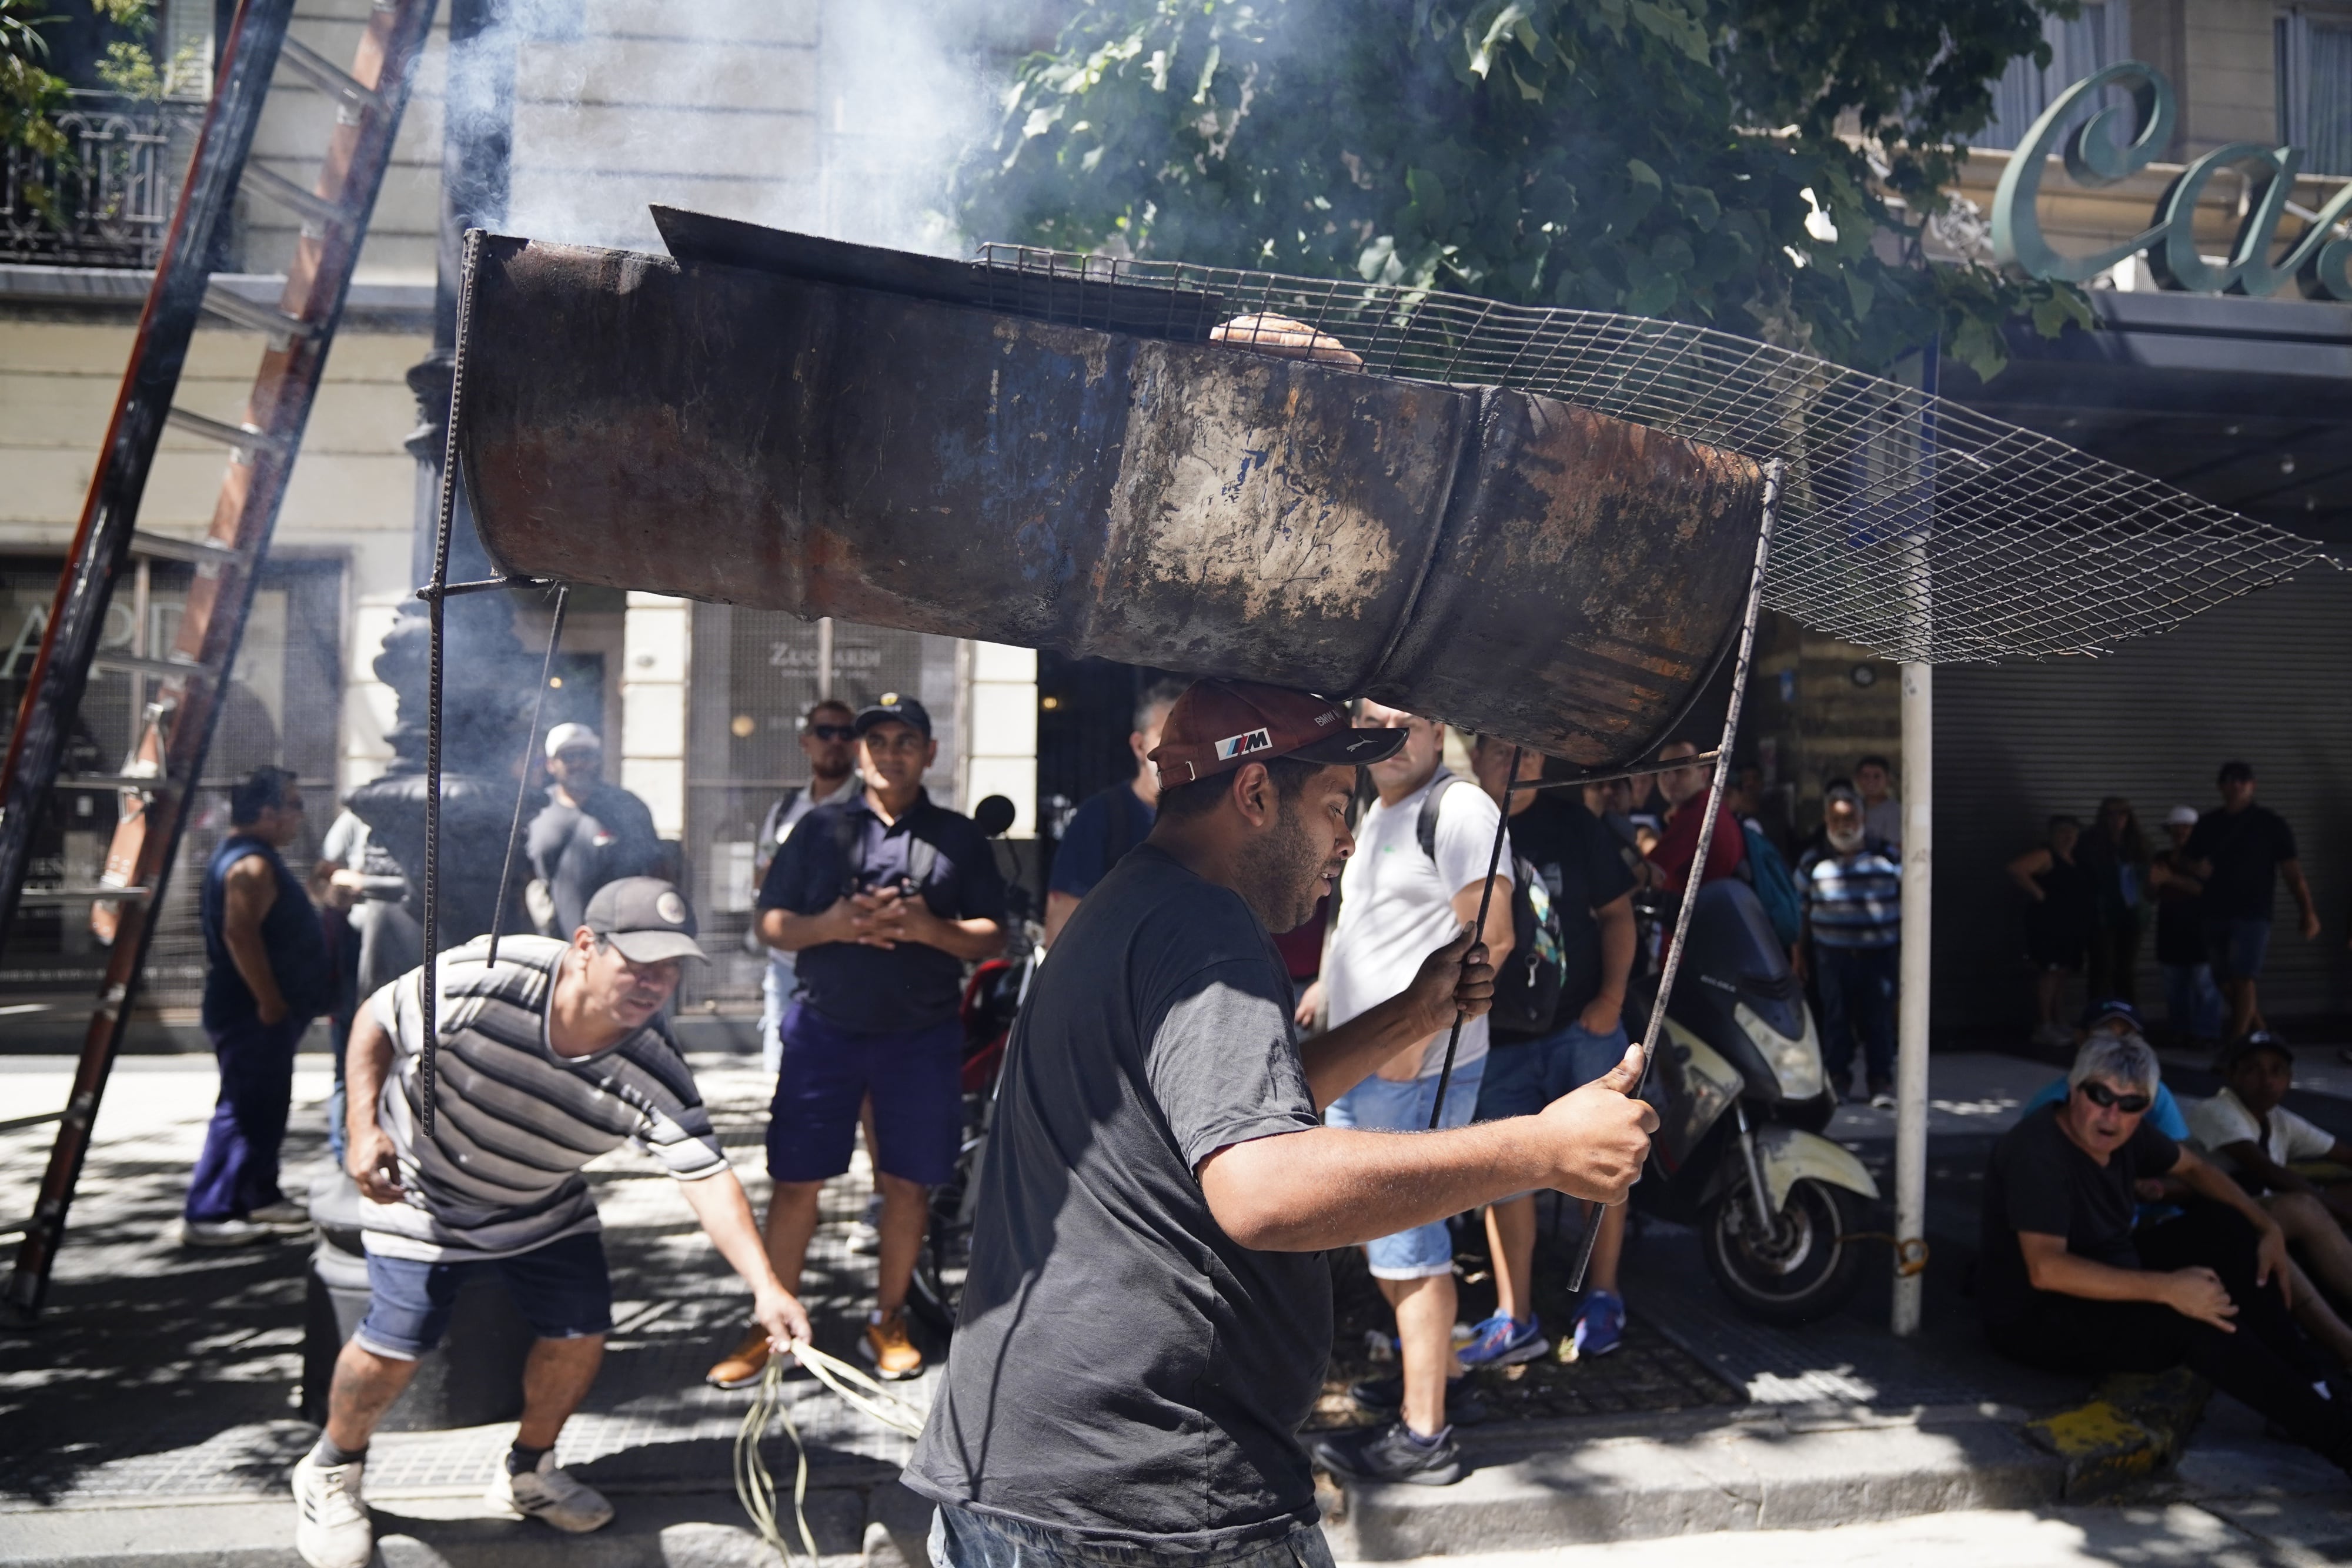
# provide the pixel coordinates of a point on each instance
(970, 940)
(2298, 886)
(2069, 1275)
(789, 933)
(1337, 1187)
(1339, 1059)
(366, 1062)
(725, 1214)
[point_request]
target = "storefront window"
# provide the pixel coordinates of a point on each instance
(2314, 89)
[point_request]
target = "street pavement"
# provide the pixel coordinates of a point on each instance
(152, 1418)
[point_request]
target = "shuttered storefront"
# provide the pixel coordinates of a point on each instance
(2267, 678)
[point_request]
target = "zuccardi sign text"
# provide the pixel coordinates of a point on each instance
(2321, 267)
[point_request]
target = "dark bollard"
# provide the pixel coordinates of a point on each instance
(474, 1378)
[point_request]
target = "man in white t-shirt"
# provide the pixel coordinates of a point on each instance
(2250, 1134)
(1397, 903)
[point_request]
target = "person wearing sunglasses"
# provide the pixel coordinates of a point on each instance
(2065, 1282)
(829, 742)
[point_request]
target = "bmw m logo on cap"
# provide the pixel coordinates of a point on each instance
(1235, 746)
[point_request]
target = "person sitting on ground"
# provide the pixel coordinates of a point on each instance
(2064, 1281)
(551, 1056)
(2160, 1197)
(2249, 1133)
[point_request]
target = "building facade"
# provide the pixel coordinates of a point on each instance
(834, 117)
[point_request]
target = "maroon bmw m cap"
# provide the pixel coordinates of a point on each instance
(1217, 725)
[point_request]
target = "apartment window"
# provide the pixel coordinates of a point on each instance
(2094, 40)
(2314, 88)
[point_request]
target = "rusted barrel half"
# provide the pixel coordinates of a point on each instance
(1505, 562)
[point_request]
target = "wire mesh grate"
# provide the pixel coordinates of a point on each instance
(1911, 526)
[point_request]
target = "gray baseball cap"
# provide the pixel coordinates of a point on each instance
(646, 918)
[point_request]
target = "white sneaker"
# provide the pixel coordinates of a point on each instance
(552, 1497)
(331, 1528)
(283, 1215)
(223, 1233)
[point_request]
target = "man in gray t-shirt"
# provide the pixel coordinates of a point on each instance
(1147, 1320)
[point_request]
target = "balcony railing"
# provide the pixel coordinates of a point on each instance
(110, 193)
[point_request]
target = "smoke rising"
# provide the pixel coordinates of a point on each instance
(841, 117)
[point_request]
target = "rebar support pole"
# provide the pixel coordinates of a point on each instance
(1774, 472)
(1911, 1018)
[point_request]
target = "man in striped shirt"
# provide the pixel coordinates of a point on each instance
(555, 1054)
(1853, 888)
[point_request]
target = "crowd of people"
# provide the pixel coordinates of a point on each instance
(1144, 1163)
(2211, 889)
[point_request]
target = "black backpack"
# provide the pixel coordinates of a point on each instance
(1527, 986)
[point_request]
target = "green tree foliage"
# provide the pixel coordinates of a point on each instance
(1674, 158)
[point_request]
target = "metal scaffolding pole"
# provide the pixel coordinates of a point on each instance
(1911, 1021)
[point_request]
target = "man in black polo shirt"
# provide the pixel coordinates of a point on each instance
(884, 899)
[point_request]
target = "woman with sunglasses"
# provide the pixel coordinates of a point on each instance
(2065, 1282)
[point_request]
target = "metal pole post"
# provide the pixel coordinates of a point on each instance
(1911, 1022)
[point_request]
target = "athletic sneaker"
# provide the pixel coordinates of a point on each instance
(886, 1345)
(1502, 1341)
(283, 1215)
(1385, 1396)
(331, 1522)
(1599, 1324)
(223, 1233)
(743, 1366)
(1882, 1099)
(1392, 1453)
(551, 1496)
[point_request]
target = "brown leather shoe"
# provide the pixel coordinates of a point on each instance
(886, 1345)
(744, 1364)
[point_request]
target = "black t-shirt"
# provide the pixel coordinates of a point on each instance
(2245, 848)
(845, 848)
(1124, 1370)
(1578, 859)
(2040, 1180)
(575, 850)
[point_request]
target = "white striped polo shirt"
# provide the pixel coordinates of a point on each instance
(514, 1122)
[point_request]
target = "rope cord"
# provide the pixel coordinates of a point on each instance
(1486, 901)
(1773, 473)
(755, 1487)
(522, 783)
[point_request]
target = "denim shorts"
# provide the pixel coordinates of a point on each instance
(563, 1290)
(1380, 1104)
(1524, 1076)
(914, 1076)
(2238, 947)
(966, 1538)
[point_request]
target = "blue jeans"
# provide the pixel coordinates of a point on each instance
(237, 1171)
(1857, 987)
(1382, 1104)
(2192, 1002)
(961, 1538)
(1524, 1076)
